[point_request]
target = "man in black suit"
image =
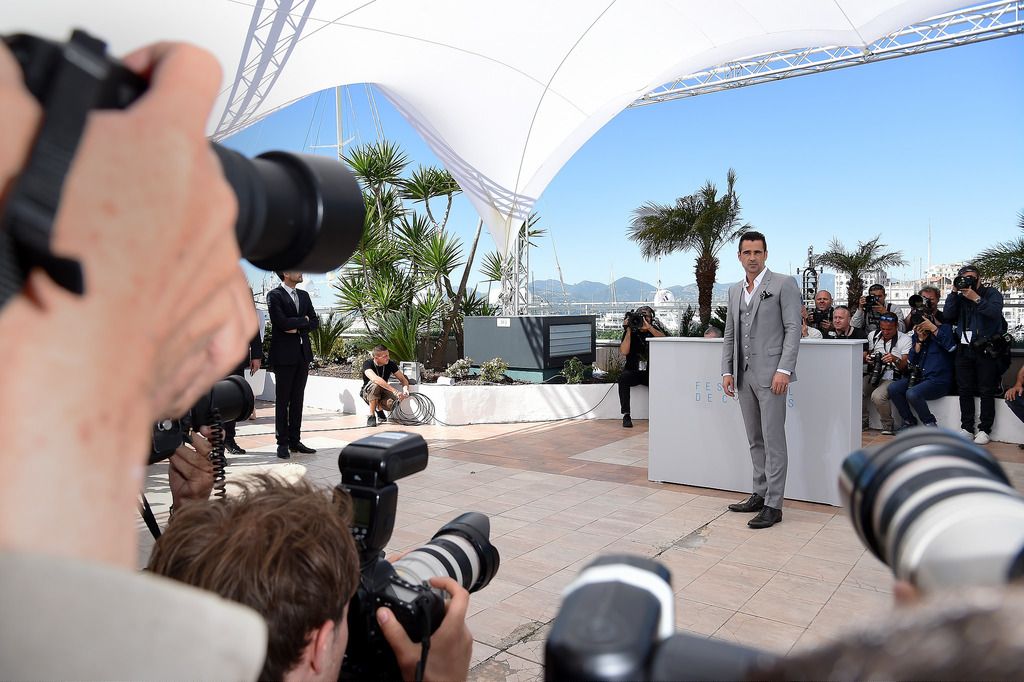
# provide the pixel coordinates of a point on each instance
(291, 318)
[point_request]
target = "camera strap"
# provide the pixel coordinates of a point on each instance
(147, 515)
(76, 77)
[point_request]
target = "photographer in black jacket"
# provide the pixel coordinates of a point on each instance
(637, 327)
(977, 313)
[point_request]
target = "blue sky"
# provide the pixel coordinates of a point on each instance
(884, 148)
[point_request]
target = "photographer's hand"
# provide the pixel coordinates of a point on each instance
(166, 310)
(190, 472)
(451, 645)
(1014, 392)
(970, 295)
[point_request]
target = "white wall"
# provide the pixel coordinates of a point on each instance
(479, 404)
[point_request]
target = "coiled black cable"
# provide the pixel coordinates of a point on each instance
(217, 456)
(416, 410)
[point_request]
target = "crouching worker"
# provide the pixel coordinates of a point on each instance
(376, 392)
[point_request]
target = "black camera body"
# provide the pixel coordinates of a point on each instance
(227, 401)
(874, 368)
(871, 300)
(995, 346)
(617, 622)
(816, 317)
(920, 309)
(635, 320)
(961, 282)
(461, 549)
(914, 375)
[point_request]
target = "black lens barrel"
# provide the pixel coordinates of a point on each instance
(295, 211)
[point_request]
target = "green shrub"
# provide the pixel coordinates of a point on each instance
(349, 348)
(493, 370)
(325, 337)
(459, 369)
(572, 370)
(615, 366)
(357, 364)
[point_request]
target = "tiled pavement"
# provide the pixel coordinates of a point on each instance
(559, 494)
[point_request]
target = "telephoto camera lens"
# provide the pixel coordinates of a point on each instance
(461, 550)
(937, 509)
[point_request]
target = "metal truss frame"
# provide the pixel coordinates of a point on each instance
(970, 25)
(275, 28)
(515, 277)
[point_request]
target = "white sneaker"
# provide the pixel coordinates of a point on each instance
(966, 434)
(982, 438)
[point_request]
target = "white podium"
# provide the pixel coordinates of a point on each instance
(696, 431)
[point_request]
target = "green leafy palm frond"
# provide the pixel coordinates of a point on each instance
(350, 293)
(398, 331)
(1004, 262)
(428, 183)
(439, 255)
(324, 340)
(475, 304)
(430, 306)
(868, 256)
(412, 231)
(491, 266)
(377, 164)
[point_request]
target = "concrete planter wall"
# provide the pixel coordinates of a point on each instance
(477, 404)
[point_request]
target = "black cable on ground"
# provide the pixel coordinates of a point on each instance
(416, 410)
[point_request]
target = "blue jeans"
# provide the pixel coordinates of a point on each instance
(916, 397)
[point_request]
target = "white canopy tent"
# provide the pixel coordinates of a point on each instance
(503, 92)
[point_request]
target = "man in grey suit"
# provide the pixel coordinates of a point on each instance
(759, 349)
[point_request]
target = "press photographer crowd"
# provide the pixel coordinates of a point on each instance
(122, 230)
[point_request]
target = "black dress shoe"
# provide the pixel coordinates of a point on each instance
(752, 504)
(767, 518)
(627, 422)
(233, 447)
(282, 452)
(303, 449)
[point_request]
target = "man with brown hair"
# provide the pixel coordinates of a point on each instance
(285, 550)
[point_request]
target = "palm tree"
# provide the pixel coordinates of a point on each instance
(703, 222)
(1004, 262)
(867, 257)
(406, 262)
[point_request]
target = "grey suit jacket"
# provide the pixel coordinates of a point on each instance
(771, 341)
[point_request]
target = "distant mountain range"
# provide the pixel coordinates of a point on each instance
(626, 289)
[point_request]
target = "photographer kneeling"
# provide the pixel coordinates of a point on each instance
(887, 353)
(285, 550)
(637, 327)
(930, 373)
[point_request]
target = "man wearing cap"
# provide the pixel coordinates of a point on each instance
(894, 348)
(976, 311)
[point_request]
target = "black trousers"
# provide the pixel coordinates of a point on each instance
(291, 385)
(977, 375)
(628, 379)
(229, 427)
